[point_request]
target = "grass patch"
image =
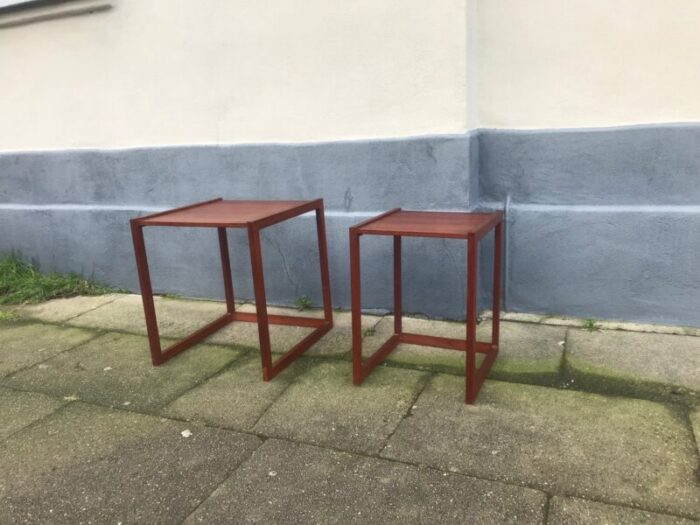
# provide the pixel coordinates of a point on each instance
(21, 283)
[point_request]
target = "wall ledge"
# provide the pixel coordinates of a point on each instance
(52, 12)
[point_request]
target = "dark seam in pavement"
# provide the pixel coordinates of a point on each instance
(91, 309)
(689, 423)
(243, 355)
(265, 437)
(282, 392)
(580, 326)
(279, 396)
(36, 421)
(96, 335)
(424, 383)
(547, 504)
(224, 480)
(563, 372)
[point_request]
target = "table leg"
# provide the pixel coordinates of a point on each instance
(398, 313)
(226, 269)
(323, 258)
(256, 264)
(355, 291)
(470, 369)
(496, 305)
(146, 292)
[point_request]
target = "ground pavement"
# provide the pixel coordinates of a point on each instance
(578, 423)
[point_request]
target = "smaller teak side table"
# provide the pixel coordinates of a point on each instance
(254, 216)
(471, 227)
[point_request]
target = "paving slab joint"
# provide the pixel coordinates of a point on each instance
(225, 478)
(235, 361)
(65, 321)
(425, 381)
(97, 334)
(42, 419)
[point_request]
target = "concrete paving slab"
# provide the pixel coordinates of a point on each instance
(337, 342)
(116, 370)
(61, 310)
(323, 407)
(234, 399)
(576, 322)
(20, 409)
(86, 464)
(291, 483)
(528, 352)
(24, 345)
(282, 338)
(573, 511)
(635, 363)
(624, 451)
(176, 317)
(695, 423)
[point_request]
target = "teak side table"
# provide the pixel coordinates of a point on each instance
(254, 216)
(454, 225)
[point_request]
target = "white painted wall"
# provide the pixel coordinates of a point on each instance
(579, 63)
(163, 72)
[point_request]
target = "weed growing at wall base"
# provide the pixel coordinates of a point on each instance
(302, 303)
(22, 283)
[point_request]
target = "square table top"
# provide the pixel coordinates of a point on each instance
(431, 224)
(228, 213)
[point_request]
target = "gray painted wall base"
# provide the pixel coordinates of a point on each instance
(602, 223)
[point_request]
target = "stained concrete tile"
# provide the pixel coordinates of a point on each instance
(282, 338)
(339, 340)
(60, 310)
(24, 345)
(528, 352)
(115, 369)
(176, 317)
(635, 363)
(234, 399)
(336, 342)
(87, 464)
(625, 451)
(323, 407)
(292, 483)
(20, 409)
(573, 511)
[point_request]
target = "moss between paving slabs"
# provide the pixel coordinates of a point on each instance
(695, 424)
(8, 316)
(652, 366)
(26, 344)
(115, 370)
(528, 354)
(580, 375)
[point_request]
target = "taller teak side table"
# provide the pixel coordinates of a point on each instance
(254, 216)
(471, 227)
